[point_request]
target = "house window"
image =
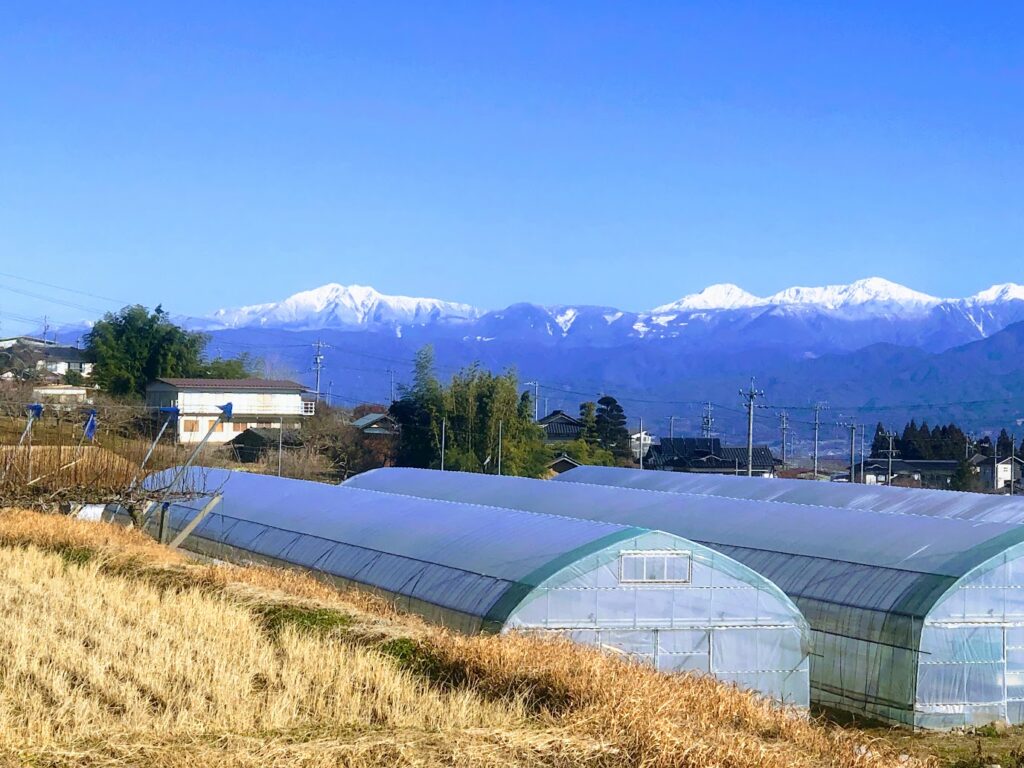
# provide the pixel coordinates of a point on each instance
(239, 426)
(308, 407)
(190, 425)
(654, 567)
(218, 427)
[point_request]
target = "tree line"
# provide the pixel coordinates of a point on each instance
(950, 442)
(478, 418)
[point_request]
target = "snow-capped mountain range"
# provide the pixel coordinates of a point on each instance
(811, 319)
(871, 344)
(340, 306)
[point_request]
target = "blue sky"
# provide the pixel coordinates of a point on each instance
(211, 154)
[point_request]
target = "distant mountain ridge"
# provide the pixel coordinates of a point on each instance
(803, 320)
(338, 306)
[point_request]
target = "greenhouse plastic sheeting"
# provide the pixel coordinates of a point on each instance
(875, 498)
(476, 566)
(752, 618)
(868, 582)
(471, 565)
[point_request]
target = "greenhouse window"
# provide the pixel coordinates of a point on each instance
(654, 567)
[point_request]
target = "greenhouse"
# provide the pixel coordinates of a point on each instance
(879, 498)
(916, 603)
(915, 619)
(646, 594)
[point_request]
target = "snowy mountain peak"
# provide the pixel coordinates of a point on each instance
(720, 296)
(871, 290)
(335, 305)
(998, 294)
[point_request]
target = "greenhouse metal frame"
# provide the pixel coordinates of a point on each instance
(915, 598)
(644, 593)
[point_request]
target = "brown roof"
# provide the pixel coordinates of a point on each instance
(233, 385)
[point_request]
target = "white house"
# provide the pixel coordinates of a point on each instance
(61, 395)
(25, 341)
(996, 474)
(60, 360)
(640, 443)
(256, 403)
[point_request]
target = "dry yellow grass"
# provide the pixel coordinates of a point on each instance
(141, 657)
(44, 471)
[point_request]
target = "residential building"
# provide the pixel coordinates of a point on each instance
(562, 464)
(255, 443)
(708, 455)
(63, 360)
(376, 424)
(560, 427)
(256, 403)
(919, 473)
(640, 443)
(995, 474)
(25, 341)
(62, 396)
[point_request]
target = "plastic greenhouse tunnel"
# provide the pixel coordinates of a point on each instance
(631, 590)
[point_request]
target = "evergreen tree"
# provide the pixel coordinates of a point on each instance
(418, 413)
(1004, 444)
(880, 443)
(909, 448)
(588, 415)
(964, 478)
(612, 434)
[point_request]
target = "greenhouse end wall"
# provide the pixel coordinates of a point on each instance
(971, 668)
(721, 621)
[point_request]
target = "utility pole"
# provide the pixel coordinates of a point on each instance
(444, 424)
(863, 430)
(318, 364)
(818, 407)
(536, 398)
(784, 426)
(853, 449)
(890, 453)
(750, 396)
(707, 421)
(499, 444)
(1013, 460)
(280, 443)
(640, 440)
(391, 371)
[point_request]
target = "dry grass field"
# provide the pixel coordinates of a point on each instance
(115, 651)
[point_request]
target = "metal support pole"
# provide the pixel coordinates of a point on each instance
(280, 444)
(172, 415)
(195, 521)
(444, 424)
(853, 453)
(640, 441)
(225, 415)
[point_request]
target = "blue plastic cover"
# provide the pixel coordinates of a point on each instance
(876, 498)
(471, 559)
